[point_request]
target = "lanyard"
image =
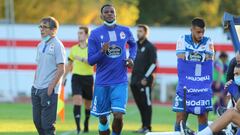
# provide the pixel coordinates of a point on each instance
(45, 46)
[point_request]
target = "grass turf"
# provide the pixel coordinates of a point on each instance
(16, 119)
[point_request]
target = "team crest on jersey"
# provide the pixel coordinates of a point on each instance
(195, 56)
(51, 47)
(122, 35)
(114, 51)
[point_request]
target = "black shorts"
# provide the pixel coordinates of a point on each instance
(82, 85)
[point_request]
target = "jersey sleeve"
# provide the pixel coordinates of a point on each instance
(60, 54)
(210, 47)
(152, 57)
(94, 53)
(180, 46)
(132, 46)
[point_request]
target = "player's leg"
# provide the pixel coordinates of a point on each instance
(87, 104)
(77, 103)
(147, 109)
(148, 103)
(101, 108)
(104, 125)
(77, 100)
(49, 112)
(181, 115)
(117, 123)
(87, 96)
(136, 91)
(36, 110)
(202, 121)
(119, 95)
(231, 115)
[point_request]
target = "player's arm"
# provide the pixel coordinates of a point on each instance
(210, 50)
(132, 49)
(180, 48)
(152, 53)
(60, 60)
(95, 53)
(68, 66)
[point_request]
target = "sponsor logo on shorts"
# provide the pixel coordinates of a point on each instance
(198, 103)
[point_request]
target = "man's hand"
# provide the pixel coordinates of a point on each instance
(129, 63)
(181, 56)
(209, 57)
(228, 83)
(50, 90)
(64, 82)
(105, 47)
(144, 82)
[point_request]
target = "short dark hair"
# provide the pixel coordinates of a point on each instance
(53, 23)
(85, 28)
(199, 22)
(223, 55)
(105, 5)
(144, 26)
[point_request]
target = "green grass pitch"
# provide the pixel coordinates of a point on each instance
(16, 119)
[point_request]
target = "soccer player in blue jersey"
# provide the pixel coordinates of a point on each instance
(197, 48)
(107, 50)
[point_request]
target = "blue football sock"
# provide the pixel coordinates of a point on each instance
(102, 127)
(113, 133)
(177, 127)
(202, 126)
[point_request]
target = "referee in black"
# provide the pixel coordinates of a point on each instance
(142, 77)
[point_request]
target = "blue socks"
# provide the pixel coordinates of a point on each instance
(202, 126)
(102, 127)
(177, 127)
(113, 133)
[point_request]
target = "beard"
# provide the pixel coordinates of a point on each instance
(141, 38)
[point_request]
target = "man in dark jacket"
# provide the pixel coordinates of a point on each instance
(142, 77)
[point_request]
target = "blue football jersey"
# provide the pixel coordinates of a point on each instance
(194, 51)
(111, 66)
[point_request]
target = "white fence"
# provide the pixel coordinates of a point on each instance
(17, 54)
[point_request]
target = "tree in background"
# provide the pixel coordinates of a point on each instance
(1, 9)
(181, 12)
(129, 12)
(83, 12)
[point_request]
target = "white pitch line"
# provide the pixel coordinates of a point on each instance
(67, 133)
